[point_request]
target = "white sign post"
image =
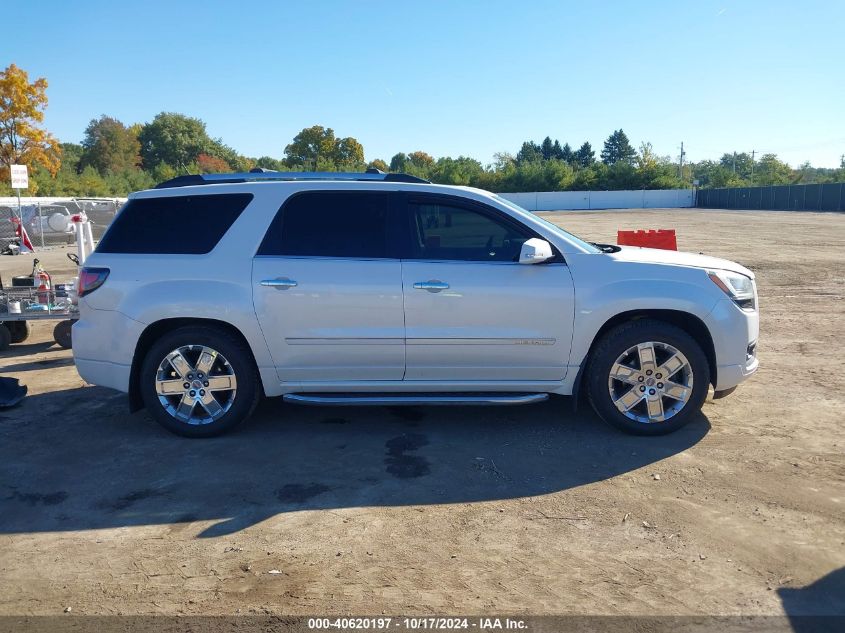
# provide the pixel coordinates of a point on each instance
(20, 180)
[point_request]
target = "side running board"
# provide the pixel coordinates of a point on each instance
(399, 399)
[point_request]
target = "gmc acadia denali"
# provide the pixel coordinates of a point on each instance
(210, 291)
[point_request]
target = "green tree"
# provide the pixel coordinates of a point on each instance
(566, 154)
(234, 161)
(71, 157)
(266, 162)
(739, 164)
(397, 163)
(349, 154)
(421, 159)
(379, 164)
(503, 160)
(420, 164)
(587, 178)
(109, 146)
(529, 152)
(547, 148)
(318, 148)
(310, 145)
(713, 174)
(618, 149)
(585, 156)
(173, 139)
(457, 171)
(772, 171)
(91, 183)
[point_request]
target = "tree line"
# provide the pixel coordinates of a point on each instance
(115, 158)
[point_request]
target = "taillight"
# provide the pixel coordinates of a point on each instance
(90, 279)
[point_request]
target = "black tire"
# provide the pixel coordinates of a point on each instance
(62, 333)
(621, 338)
(5, 337)
(239, 358)
(20, 330)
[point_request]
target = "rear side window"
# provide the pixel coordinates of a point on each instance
(178, 225)
(330, 224)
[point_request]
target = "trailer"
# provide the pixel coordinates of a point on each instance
(37, 298)
(20, 306)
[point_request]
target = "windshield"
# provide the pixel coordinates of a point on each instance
(554, 227)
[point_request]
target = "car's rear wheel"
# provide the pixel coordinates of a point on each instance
(199, 381)
(648, 377)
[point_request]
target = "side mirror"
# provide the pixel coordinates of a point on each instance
(535, 251)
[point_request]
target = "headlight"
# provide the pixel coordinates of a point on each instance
(738, 287)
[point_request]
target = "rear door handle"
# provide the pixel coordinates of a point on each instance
(432, 285)
(281, 283)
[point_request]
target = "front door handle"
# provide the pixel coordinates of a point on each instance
(432, 285)
(282, 283)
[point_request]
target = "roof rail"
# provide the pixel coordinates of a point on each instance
(258, 175)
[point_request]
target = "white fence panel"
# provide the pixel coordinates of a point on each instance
(571, 200)
(525, 200)
(554, 200)
(662, 198)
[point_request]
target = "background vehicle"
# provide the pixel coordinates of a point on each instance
(340, 289)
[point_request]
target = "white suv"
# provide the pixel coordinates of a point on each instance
(382, 289)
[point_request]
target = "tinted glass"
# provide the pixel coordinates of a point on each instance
(587, 246)
(189, 225)
(458, 233)
(330, 224)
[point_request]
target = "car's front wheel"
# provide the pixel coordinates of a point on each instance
(199, 381)
(647, 377)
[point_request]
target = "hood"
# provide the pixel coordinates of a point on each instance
(676, 258)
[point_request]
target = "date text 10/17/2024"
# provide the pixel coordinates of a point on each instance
(386, 623)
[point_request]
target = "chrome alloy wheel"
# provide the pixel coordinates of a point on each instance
(650, 382)
(195, 384)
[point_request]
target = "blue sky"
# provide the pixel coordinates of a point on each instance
(451, 78)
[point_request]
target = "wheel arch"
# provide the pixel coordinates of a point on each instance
(689, 323)
(158, 328)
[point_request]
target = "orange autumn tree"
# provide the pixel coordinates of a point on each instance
(22, 140)
(212, 165)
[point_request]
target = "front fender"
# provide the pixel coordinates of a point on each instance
(605, 288)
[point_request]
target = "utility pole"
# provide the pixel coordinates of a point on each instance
(734, 162)
(681, 163)
(752, 164)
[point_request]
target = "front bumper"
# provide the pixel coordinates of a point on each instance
(735, 333)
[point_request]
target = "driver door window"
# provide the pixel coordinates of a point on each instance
(446, 232)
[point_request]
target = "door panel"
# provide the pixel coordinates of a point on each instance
(328, 291)
(471, 312)
(495, 321)
(343, 320)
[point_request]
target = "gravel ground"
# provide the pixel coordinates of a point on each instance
(532, 510)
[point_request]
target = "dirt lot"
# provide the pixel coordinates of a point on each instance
(532, 510)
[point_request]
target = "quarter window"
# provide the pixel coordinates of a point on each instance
(173, 225)
(330, 224)
(448, 232)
